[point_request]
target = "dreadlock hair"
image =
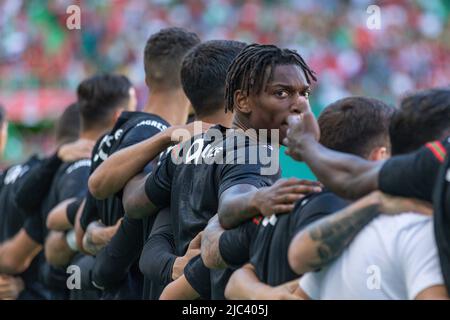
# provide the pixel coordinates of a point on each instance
(247, 71)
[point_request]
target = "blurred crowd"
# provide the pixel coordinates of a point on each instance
(408, 52)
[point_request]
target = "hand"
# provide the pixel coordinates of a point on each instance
(394, 205)
(282, 195)
(80, 149)
(192, 251)
(185, 132)
(10, 287)
(302, 128)
(286, 291)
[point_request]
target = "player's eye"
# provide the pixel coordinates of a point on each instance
(281, 93)
(307, 93)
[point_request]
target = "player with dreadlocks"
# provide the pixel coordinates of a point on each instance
(267, 84)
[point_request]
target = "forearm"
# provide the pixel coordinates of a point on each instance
(346, 175)
(179, 289)
(210, 245)
(135, 200)
(57, 251)
(113, 174)
(324, 240)
(244, 284)
(237, 207)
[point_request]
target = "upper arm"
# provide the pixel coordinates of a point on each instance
(412, 175)
(17, 253)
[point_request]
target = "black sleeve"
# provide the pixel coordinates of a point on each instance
(315, 207)
(198, 276)
(34, 227)
(160, 244)
(234, 174)
(139, 133)
(36, 184)
(159, 183)
(234, 244)
(413, 175)
(113, 262)
(72, 209)
(90, 211)
(74, 182)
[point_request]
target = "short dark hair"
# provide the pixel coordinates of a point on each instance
(422, 117)
(163, 55)
(248, 70)
(355, 125)
(99, 97)
(203, 74)
(67, 127)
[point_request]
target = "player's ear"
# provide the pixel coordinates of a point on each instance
(241, 102)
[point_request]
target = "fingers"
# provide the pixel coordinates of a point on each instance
(290, 198)
(282, 208)
(196, 242)
(303, 189)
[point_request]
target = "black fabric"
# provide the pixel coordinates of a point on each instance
(158, 272)
(72, 210)
(130, 128)
(192, 177)
(265, 241)
(234, 244)
(412, 175)
(12, 219)
(197, 275)
(114, 261)
(269, 254)
(195, 196)
(441, 215)
(55, 279)
(35, 187)
(70, 181)
(87, 290)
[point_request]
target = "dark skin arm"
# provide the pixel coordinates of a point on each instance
(210, 244)
(321, 242)
(135, 201)
(346, 175)
(243, 201)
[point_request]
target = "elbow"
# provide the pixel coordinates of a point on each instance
(297, 255)
(95, 187)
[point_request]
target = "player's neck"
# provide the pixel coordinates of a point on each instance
(92, 134)
(241, 122)
(172, 106)
(219, 117)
